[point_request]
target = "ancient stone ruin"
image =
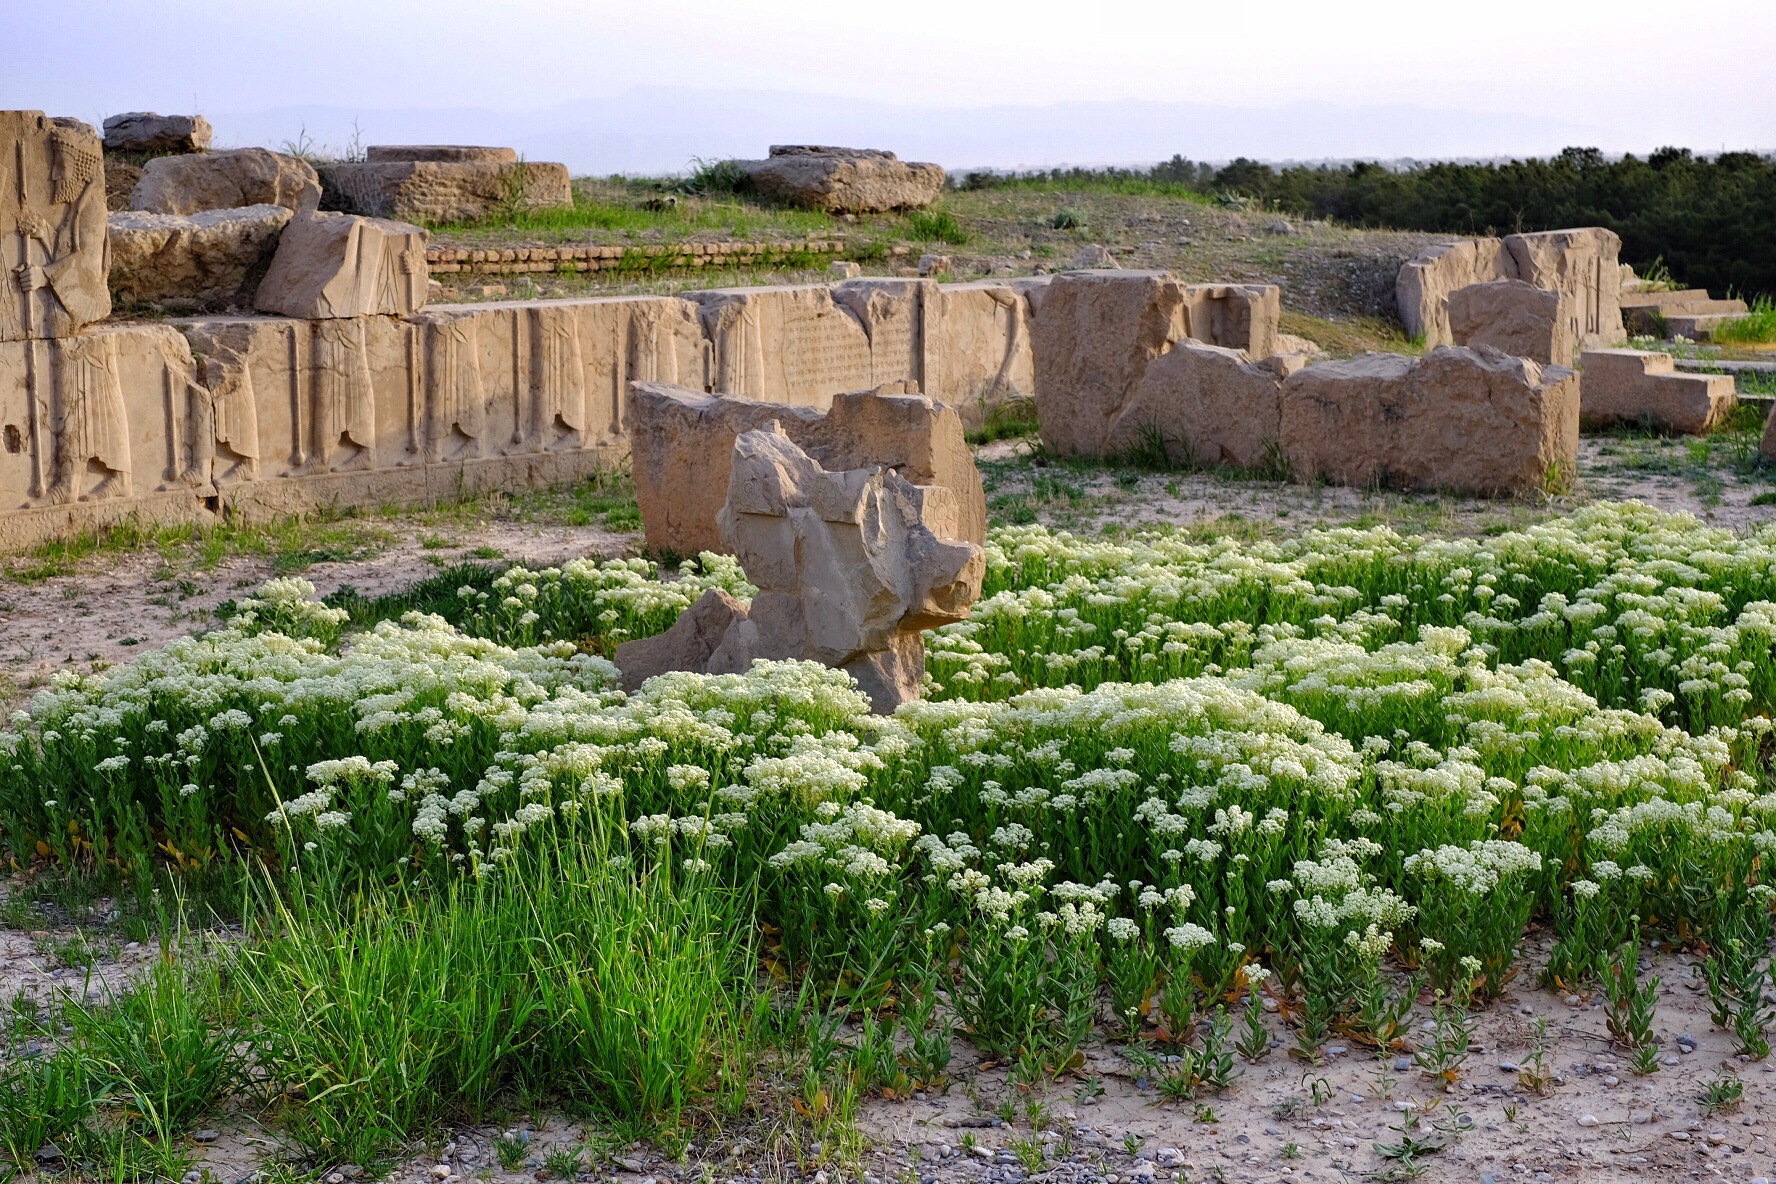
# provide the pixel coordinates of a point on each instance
(210, 260)
(227, 180)
(1579, 266)
(674, 431)
(148, 131)
(851, 567)
(1468, 420)
(443, 183)
(843, 180)
(1644, 389)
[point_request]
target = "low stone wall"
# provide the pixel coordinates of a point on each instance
(653, 256)
(189, 419)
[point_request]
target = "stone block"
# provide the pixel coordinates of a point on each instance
(190, 263)
(437, 191)
(675, 432)
(227, 180)
(454, 153)
(147, 131)
(796, 345)
(54, 252)
(1518, 318)
(1466, 420)
(843, 180)
(1235, 316)
(1645, 389)
(1425, 283)
(1092, 336)
(1208, 405)
(341, 265)
(1582, 265)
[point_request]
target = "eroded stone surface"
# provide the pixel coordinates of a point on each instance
(1515, 317)
(844, 180)
(341, 265)
(190, 263)
(149, 131)
(1470, 420)
(1093, 336)
(459, 153)
(436, 188)
(54, 251)
(674, 432)
(226, 180)
(1644, 389)
(851, 566)
(1580, 264)
(1206, 405)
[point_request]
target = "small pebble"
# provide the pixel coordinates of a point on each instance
(1573, 1001)
(1587, 1120)
(1612, 1080)
(1402, 1064)
(1680, 1136)
(1507, 1066)
(205, 1136)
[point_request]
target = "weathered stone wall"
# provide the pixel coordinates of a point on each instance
(435, 191)
(270, 414)
(1581, 265)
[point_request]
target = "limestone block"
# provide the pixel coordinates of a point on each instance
(844, 180)
(1632, 387)
(1093, 257)
(1518, 318)
(1208, 405)
(147, 131)
(795, 345)
(100, 416)
(455, 153)
(851, 566)
(433, 191)
(677, 433)
(1582, 265)
(187, 263)
(54, 253)
(1467, 420)
(224, 181)
(1235, 316)
(1424, 283)
(341, 265)
(900, 319)
(984, 349)
(1092, 337)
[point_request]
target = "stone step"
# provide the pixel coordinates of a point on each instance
(1655, 299)
(1699, 326)
(1644, 318)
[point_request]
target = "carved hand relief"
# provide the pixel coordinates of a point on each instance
(54, 246)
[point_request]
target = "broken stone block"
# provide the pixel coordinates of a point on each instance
(1092, 337)
(225, 181)
(675, 433)
(440, 188)
(1466, 420)
(1645, 389)
(1206, 405)
(1093, 257)
(1235, 316)
(147, 131)
(984, 347)
(188, 263)
(1425, 283)
(843, 180)
(1582, 265)
(341, 265)
(1518, 318)
(796, 345)
(54, 253)
(454, 153)
(852, 566)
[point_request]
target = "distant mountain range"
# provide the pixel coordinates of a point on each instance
(662, 130)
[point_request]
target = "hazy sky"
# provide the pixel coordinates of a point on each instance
(1638, 73)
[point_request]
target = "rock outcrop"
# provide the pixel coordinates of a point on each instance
(851, 567)
(1645, 389)
(1466, 420)
(147, 131)
(843, 180)
(227, 180)
(675, 431)
(193, 263)
(341, 265)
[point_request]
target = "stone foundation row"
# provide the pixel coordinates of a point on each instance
(520, 260)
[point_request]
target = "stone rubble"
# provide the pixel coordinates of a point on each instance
(148, 131)
(843, 180)
(193, 263)
(227, 180)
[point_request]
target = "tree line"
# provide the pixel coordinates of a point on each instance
(1708, 221)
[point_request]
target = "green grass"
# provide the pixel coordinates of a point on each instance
(1095, 183)
(637, 208)
(936, 226)
(1757, 326)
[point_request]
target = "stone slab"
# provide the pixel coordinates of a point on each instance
(190, 263)
(1624, 386)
